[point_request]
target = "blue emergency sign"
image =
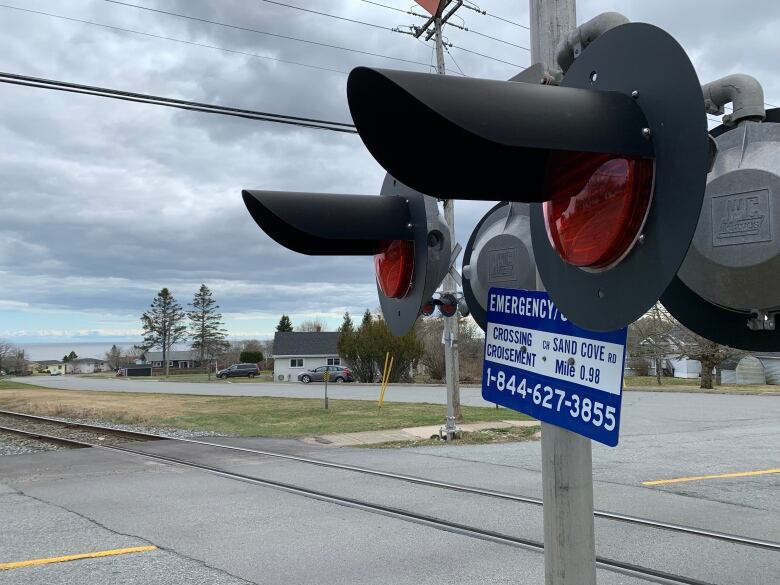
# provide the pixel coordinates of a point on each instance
(539, 363)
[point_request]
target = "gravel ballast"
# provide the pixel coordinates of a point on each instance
(13, 444)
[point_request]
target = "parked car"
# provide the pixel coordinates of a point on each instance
(56, 374)
(239, 371)
(336, 374)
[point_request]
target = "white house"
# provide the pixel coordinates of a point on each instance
(297, 351)
(87, 366)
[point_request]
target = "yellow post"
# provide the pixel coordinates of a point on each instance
(382, 381)
(387, 380)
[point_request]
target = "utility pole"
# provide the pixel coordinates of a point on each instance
(450, 334)
(567, 464)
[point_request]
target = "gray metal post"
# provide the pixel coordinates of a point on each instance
(567, 466)
(450, 335)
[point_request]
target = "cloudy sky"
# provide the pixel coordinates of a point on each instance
(105, 202)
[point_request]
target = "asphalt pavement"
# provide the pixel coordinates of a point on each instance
(212, 529)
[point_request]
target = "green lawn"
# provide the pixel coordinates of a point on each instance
(632, 381)
(262, 416)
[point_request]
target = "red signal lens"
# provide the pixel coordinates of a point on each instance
(597, 205)
(448, 306)
(428, 308)
(394, 266)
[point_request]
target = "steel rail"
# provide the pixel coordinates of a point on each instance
(45, 438)
(85, 426)
(668, 526)
(630, 569)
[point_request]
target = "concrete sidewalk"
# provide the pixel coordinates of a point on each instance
(408, 434)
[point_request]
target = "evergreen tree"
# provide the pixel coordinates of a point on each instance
(114, 357)
(163, 325)
(347, 326)
(365, 349)
(249, 356)
(70, 357)
(285, 325)
(206, 333)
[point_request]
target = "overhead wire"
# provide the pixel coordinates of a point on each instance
(52, 84)
(475, 8)
(462, 27)
(173, 39)
(454, 61)
(263, 32)
(336, 16)
(486, 56)
(392, 8)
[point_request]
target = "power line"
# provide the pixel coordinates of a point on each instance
(496, 39)
(475, 8)
(175, 40)
(267, 33)
(42, 83)
(393, 8)
(454, 61)
(486, 56)
(328, 14)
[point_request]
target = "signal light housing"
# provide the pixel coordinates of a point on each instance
(448, 305)
(401, 228)
(498, 254)
(428, 308)
(615, 99)
(727, 288)
(615, 284)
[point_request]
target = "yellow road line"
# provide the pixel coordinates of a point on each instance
(91, 555)
(719, 476)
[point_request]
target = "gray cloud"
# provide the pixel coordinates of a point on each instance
(104, 202)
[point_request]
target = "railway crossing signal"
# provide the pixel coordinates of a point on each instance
(401, 228)
(613, 162)
(727, 288)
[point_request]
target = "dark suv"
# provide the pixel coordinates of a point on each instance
(239, 371)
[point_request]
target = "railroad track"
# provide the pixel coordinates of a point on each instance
(630, 569)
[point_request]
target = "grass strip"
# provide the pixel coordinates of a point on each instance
(235, 415)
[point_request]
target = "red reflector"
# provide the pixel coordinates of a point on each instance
(597, 205)
(394, 266)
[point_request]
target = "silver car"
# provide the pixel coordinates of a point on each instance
(336, 374)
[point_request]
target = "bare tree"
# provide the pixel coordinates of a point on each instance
(649, 338)
(131, 354)
(20, 361)
(709, 354)
(6, 352)
(312, 325)
(429, 332)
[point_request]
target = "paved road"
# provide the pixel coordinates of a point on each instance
(212, 529)
(397, 393)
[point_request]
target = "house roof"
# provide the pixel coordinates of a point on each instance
(87, 361)
(49, 363)
(319, 343)
(157, 356)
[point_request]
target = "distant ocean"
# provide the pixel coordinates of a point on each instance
(83, 349)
